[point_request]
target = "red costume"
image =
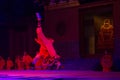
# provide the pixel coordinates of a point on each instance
(106, 62)
(27, 60)
(2, 63)
(19, 63)
(46, 45)
(9, 64)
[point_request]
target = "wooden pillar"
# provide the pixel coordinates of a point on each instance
(116, 15)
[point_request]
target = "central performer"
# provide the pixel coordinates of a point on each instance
(46, 44)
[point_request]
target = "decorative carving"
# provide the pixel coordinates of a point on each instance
(105, 38)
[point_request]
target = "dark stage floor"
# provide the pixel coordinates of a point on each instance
(58, 75)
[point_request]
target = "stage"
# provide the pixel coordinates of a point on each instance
(57, 74)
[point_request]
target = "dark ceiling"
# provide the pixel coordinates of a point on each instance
(13, 10)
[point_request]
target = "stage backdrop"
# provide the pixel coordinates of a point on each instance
(62, 25)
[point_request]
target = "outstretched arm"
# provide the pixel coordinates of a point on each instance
(36, 40)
